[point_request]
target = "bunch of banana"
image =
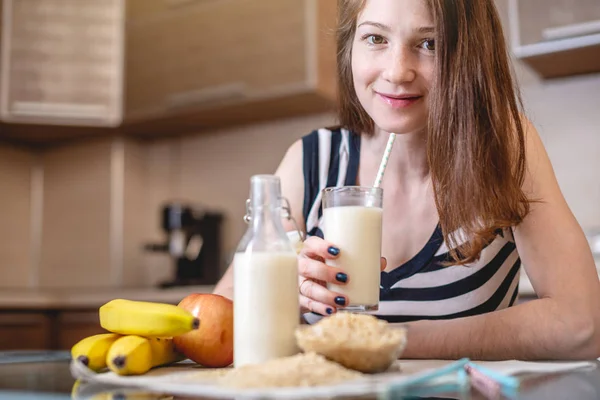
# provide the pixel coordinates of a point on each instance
(125, 354)
(92, 350)
(140, 337)
(136, 355)
(129, 317)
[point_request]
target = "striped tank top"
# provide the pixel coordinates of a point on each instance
(421, 288)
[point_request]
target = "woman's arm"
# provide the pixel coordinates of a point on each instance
(292, 188)
(564, 323)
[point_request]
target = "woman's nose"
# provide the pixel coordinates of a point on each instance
(400, 66)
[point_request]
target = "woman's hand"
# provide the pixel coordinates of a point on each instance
(314, 275)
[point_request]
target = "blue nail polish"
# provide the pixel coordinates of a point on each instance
(341, 277)
(329, 311)
(340, 301)
(334, 251)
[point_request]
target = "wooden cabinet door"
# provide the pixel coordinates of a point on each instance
(145, 67)
(541, 20)
(237, 49)
(74, 326)
(141, 10)
(62, 61)
(556, 38)
(24, 331)
(212, 63)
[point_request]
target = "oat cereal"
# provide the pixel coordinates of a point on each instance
(359, 342)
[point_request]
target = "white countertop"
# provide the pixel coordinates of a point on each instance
(91, 298)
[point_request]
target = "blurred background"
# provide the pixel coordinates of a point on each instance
(130, 128)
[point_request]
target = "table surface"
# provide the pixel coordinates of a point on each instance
(46, 375)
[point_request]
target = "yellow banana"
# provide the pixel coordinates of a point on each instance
(92, 350)
(147, 319)
(75, 389)
(136, 355)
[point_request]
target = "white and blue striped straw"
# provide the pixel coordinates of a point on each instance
(384, 160)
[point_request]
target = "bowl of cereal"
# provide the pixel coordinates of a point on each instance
(360, 342)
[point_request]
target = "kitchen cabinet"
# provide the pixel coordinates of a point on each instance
(147, 24)
(46, 329)
(155, 67)
(58, 318)
(62, 62)
(209, 64)
(556, 38)
(72, 326)
(22, 330)
(141, 10)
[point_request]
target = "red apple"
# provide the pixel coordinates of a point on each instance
(211, 345)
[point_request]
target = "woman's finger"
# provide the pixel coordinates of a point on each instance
(320, 294)
(383, 263)
(308, 304)
(315, 269)
(314, 247)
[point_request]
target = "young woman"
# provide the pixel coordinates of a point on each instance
(469, 192)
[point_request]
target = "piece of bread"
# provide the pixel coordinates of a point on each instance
(360, 342)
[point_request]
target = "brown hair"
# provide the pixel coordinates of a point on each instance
(476, 140)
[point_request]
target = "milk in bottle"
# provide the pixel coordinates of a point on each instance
(266, 305)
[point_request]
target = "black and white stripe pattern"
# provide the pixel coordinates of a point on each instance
(326, 164)
(421, 288)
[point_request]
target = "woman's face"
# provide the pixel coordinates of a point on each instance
(393, 63)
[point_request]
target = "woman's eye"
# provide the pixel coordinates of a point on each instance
(428, 44)
(375, 39)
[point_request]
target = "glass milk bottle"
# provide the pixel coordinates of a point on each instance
(266, 305)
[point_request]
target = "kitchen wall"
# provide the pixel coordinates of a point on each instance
(15, 222)
(566, 114)
(77, 216)
(96, 203)
(214, 169)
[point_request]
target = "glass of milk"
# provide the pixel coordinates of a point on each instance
(265, 279)
(352, 221)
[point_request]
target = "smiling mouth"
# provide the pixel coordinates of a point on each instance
(401, 101)
(401, 97)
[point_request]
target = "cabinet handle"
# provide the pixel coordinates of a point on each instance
(182, 3)
(212, 94)
(573, 30)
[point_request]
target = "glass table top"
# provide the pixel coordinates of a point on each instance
(42, 375)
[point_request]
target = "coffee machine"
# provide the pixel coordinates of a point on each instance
(193, 242)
